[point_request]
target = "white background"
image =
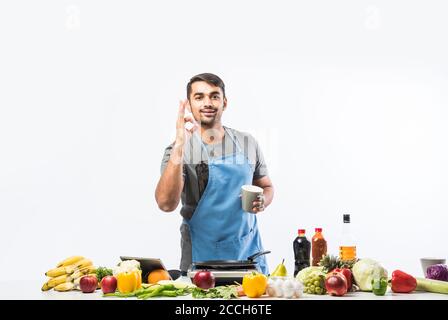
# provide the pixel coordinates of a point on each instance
(348, 100)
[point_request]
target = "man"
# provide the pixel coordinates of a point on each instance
(205, 168)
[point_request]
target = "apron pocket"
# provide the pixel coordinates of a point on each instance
(237, 249)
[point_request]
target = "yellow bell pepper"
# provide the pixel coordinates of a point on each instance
(139, 279)
(129, 281)
(254, 284)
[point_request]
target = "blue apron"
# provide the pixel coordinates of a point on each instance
(220, 229)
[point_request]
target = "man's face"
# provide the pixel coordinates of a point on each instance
(207, 103)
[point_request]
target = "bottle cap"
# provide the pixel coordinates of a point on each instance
(318, 229)
(346, 218)
(301, 231)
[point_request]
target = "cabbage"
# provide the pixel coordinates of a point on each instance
(309, 271)
(365, 270)
(437, 272)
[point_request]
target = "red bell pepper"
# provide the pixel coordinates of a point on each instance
(402, 282)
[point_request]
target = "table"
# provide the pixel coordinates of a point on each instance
(21, 290)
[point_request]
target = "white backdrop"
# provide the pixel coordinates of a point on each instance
(348, 100)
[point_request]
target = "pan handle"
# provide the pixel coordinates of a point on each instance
(256, 255)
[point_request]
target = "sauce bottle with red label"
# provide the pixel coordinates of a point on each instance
(318, 247)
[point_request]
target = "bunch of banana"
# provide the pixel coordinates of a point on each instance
(68, 273)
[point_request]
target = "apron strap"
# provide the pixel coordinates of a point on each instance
(234, 139)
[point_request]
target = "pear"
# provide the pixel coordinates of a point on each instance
(280, 270)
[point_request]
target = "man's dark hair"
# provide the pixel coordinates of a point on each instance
(210, 78)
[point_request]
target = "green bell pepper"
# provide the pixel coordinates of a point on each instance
(379, 286)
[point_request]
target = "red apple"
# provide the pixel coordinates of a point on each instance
(109, 284)
(204, 279)
(348, 276)
(88, 284)
(336, 284)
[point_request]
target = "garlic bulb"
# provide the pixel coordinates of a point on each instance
(288, 288)
(271, 288)
(298, 289)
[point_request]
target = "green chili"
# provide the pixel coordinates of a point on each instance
(120, 295)
(169, 293)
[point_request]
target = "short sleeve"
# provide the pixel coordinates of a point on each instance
(261, 169)
(166, 158)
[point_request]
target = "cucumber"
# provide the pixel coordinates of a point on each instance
(430, 285)
(176, 284)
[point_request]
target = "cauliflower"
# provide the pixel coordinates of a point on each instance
(126, 266)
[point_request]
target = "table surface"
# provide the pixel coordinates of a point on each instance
(18, 290)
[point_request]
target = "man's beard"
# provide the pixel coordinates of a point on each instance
(208, 120)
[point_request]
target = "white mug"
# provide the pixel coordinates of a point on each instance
(249, 194)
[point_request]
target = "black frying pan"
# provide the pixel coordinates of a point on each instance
(230, 264)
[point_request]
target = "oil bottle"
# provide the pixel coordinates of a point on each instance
(347, 245)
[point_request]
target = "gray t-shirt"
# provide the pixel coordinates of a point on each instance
(195, 173)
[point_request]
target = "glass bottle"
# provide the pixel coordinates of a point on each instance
(347, 244)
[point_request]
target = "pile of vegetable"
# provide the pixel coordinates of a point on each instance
(219, 292)
(129, 276)
(402, 282)
(332, 276)
(366, 272)
(169, 289)
(369, 275)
